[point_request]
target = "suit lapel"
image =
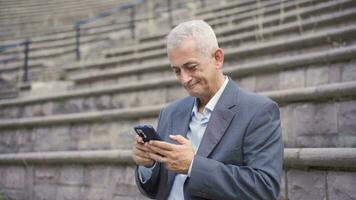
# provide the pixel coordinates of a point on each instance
(181, 119)
(220, 119)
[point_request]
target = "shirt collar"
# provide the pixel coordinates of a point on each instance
(212, 102)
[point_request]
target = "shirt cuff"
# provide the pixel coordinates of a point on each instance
(145, 173)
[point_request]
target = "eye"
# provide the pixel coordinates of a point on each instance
(192, 67)
(176, 71)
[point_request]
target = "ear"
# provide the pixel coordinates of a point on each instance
(219, 58)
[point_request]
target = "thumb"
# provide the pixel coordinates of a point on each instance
(180, 139)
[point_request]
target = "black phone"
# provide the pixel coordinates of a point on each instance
(147, 133)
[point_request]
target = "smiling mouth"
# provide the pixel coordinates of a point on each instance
(190, 86)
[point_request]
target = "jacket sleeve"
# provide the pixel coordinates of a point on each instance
(259, 176)
(150, 187)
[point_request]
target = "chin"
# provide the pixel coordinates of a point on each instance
(194, 93)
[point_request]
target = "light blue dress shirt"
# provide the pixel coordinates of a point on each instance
(197, 126)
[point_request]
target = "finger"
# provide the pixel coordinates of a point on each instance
(157, 157)
(138, 139)
(141, 153)
(180, 139)
(162, 145)
(142, 161)
(157, 150)
(143, 148)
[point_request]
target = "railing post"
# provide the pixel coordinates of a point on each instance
(132, 22)
(77, 41)
(202, 3)
(169, 9)
(25, 65)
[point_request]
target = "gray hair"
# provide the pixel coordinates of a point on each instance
(198, 30)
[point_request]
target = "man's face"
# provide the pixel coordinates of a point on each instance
(196, 72)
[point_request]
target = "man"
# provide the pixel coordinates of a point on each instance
(219, 143)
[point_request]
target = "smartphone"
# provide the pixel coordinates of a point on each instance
(147, 133)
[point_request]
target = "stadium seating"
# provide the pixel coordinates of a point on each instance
(75, 143)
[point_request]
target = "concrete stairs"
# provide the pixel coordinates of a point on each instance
(50, 52)
(77, 143)
(21, 20)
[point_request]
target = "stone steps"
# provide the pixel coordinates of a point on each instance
(7, 89)
(311, 157)
(258, 23)
(69, 181)
(224, 7)
(37, 71)
(249, 25)
(141, 9)
(41, 172)
(84, 7)
(143, 46)
(296, 71)
(18, 11)
(69, 35)
(52, 22)
(282, 95)
(259, 10)
(246, 53)
(247, 29)
(325, 114)
(40, 46)
(68, 32)
(44, 53)
(56, 50)
(236, 16)
(76, 145)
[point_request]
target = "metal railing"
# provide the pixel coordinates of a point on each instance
(26, 43)
(131, 24)
(102, 15)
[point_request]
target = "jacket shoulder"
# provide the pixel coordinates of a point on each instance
(253, 100)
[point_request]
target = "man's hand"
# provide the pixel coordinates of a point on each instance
(176, 158)
(140, 153)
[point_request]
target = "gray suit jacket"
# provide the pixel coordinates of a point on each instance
(240, 155)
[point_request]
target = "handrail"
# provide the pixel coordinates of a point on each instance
(109, 12)
(102, 15)
(26, 43)
(11, 46)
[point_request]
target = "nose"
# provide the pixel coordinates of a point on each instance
(185, 78)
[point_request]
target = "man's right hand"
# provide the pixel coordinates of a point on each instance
(140, 153)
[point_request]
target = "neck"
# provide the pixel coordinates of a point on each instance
(202, 101)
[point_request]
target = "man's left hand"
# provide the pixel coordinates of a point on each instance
(175, 157)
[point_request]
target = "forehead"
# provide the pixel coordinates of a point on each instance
(185, 52)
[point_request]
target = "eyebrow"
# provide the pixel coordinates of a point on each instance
(186, 64)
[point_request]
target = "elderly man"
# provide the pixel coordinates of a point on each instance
(220, 142)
